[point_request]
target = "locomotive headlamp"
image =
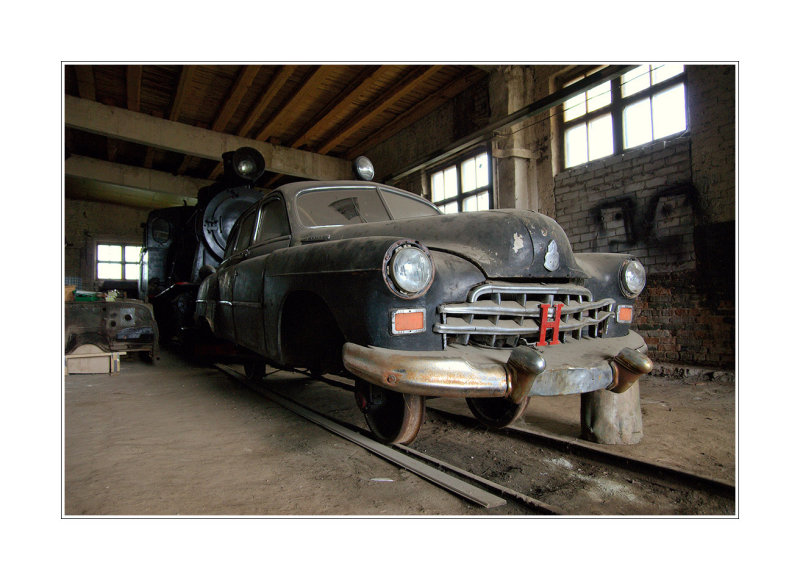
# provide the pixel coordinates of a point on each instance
(632, 278)
(409, 269)
(363, 168)
(248, 163)
(246, 167)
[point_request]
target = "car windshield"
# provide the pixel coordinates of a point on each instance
(355, 205)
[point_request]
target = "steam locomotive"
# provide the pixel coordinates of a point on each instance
(184, 244)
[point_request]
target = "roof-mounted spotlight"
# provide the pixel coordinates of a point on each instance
(363, 168)
(244, 164)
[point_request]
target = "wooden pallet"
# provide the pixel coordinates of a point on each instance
(91, 359)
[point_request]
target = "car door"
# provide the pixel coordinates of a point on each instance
(239, 249)
(271, 232)
(223, 312)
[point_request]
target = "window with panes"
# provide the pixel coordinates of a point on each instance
(465, 184)
(118, 261)
(643, 105)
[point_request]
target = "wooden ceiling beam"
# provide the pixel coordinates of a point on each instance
(133, 98)
(310, 85)
(408, 83)
(145, 180)
(187, 72)
(86, 87)
(321, 123)
(133, 87)
(243, 83)
(89, 190)
(182, 138)
(275, 84)
(269, 93)
(416, 113)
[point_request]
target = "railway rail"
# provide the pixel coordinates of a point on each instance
(487, 492)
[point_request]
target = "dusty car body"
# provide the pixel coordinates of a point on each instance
(490, 306)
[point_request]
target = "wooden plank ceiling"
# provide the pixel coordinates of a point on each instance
(337, 111)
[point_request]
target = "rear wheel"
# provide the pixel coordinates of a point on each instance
(392, 417)
(496, 412)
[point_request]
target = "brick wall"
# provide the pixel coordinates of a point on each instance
(711, 91)
(685, 320)
(641, 202)
(672, 205)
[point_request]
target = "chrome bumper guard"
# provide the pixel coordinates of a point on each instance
(470, 371)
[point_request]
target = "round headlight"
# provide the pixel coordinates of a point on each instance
(363, 168)
(246, 167)
(632, 278)
(248, 163)
(411, 270)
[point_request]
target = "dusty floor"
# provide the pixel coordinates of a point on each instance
(171, 438)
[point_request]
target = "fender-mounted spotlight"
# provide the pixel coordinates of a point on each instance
(363, 168)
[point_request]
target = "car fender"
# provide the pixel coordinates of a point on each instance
(347, 275)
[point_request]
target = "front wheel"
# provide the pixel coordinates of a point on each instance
(392, 417)
(496, 412)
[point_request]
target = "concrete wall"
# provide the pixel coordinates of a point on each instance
(670, 203)
(87, 223)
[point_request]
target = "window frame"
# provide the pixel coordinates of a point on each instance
(616, 108)
(462, 195)
(123, 262)
(262, 208)
(245, 242)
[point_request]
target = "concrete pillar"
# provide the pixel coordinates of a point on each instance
(510, 152)
(612, 418)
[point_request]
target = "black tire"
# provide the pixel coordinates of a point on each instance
(496, 412)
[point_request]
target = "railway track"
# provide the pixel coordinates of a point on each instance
(571, 468)
(644, 469)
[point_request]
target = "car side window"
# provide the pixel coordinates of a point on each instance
(273, 222)
(245, 232)
(404, 207)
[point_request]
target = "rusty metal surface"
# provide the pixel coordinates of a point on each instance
(468, 371)
(628, 366)
(121, 325)
(425, 373)
(524, 365)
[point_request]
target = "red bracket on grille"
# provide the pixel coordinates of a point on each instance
(546, 324)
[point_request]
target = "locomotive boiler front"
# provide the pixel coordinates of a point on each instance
(182, 244)
(220, 205)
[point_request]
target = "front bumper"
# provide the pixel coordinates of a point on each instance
(471, 371)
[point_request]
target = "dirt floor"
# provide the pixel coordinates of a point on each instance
(179, 439)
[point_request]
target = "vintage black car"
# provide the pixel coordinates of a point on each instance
(490, 306)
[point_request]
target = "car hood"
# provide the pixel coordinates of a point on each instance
(503, 243)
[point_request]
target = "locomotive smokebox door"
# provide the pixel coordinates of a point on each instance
(221, 213)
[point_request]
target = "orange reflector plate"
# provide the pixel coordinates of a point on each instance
(404, 321)
(625, 314)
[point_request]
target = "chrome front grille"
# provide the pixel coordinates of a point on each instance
(504, 315)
